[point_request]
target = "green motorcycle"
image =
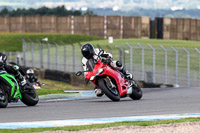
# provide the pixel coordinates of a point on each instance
(11, 91)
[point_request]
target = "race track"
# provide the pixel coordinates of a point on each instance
(155, 101)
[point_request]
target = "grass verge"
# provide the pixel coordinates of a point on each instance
(154, 42)
(160, 55)
(53, 87)
(98, 126)
(44, 91)
(11, 42)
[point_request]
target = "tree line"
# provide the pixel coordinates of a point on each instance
(44, 11)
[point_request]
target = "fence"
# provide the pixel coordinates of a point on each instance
(105, 26)
(169, 65)
(102, 26)
(181, 28)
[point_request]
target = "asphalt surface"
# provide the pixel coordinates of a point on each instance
(155, 101)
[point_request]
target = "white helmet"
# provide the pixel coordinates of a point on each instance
(30, 71)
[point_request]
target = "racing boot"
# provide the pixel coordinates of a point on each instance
(127, 75)
(99, 92)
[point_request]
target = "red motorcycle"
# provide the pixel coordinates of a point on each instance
(110, 81)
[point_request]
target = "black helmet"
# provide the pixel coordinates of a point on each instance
(87, 50)
(3, 59)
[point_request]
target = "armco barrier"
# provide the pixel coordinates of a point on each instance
(57, 75)
(71, 78)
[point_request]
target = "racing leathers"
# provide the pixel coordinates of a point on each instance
(33, 79)
(14, 70)
(117, 65)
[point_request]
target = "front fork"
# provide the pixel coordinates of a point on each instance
(109, 83)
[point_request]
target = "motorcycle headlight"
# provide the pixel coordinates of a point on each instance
(100, 71)
(92, 78)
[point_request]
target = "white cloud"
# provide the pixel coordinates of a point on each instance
(122, 4)
(115, 8)
(68, 8)
(84, 8)
(174, 8)
(10, 4)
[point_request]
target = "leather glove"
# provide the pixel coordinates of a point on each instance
(23, 82)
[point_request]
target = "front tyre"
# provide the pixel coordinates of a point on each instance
(109, 92)
(4, 98)
(136, 93)
(30, 97)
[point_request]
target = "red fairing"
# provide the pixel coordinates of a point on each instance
(122, 84)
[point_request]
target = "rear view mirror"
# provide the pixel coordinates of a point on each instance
(79, 73)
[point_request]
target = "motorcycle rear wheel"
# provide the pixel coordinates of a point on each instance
(30, 98)
(108, 92)
(3, 103)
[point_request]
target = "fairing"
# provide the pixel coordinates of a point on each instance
(122, 84)
(15, 92)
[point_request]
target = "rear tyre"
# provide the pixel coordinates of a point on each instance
(110, 93)
(136, 93)
(30, 98)
(4, 101)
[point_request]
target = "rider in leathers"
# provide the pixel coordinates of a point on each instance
(11, 69)
(30, 76)
(89, 52)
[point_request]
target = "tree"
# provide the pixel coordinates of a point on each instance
(42, 11)
(4, 12)
(89, 13)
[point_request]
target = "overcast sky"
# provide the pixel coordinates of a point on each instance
(115, 4)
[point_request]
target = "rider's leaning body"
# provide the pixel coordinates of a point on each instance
(10, 69)
(89, 53)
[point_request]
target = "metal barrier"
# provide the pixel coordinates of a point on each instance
(169, 65)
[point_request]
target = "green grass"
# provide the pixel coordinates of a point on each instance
(12, 41)
(53, 87)
(178, 44)
(51, 84)
(154, 42)
(99, 126)
(44, 91)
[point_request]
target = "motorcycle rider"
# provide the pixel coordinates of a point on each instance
(31, 77)
(11, 69)
(89, 53)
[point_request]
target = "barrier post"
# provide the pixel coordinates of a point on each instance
(142, 48)
(154, 62)
(120, 53)
(166, 73)
(188, 66)
(131, 57)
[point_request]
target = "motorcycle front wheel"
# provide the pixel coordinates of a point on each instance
(136, 93)
(113, 94)
(30, 97)
(4, 101)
